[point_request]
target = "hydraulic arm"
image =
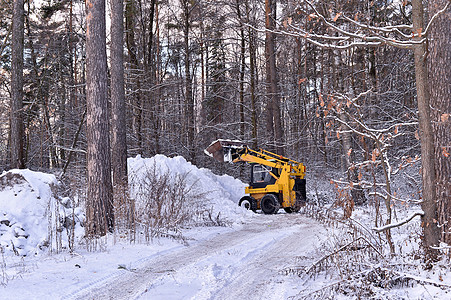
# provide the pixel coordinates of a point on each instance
(276, 181)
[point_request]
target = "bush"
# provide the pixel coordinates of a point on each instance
(166, 202)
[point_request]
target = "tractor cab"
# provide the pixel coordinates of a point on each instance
(261, 176)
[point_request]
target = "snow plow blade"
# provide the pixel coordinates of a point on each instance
(225, 150)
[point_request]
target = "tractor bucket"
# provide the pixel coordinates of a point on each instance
(225, 150)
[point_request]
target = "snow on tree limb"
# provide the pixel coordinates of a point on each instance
(374, 36)
(402, 222)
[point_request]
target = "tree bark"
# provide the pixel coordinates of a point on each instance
(123, 209)
(99, 203)
(252, 70)
(242, 64)
(439, 67)
(132, 54)
(16, 110)
(189, 99)
(274, 125)
(431, 233)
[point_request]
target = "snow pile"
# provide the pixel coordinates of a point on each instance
(222, 192)
(32, 217)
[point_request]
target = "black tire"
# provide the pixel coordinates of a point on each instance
(270, 204)
(248, 203)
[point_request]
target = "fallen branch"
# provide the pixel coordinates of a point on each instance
(418, 279)
(341, 249)
(402, 222)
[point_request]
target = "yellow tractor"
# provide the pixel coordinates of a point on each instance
(275, 182)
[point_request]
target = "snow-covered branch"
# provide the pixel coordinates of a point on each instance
(365, 35)
(325, 257)
(402, 222)
(435, 17)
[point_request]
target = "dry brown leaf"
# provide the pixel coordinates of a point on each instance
(302, 80)
(311, 16)
(444, 117)
(336, 17)
(444, 152)
(374, 154)
(349, 152)
(417, 136)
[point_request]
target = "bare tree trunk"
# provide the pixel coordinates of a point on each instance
(189, 99)
(440, 82)
(124, 210)
(242, 64)
(274, 125)
(252, 68)
(99, 203)
(431, 233)
(16, 110)
(151, 69)
(132, 53)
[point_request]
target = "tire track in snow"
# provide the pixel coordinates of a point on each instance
(258, 249)
(260, 277)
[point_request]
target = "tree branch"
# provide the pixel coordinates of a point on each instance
(402, 222)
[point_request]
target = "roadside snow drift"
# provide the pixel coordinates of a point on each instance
(32, 218)
(221, 193)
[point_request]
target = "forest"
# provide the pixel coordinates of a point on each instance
(359, 90)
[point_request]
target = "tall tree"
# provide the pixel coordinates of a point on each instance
(16, 109)
(439, 67)
(274, 124)
(99, 204)
(242, 64)
(130, 27)
(431, 232)
(187, 9)
(253, 76)
(118, 124)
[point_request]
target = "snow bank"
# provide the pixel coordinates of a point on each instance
(223, 192)
(34, 218)
(31, 215)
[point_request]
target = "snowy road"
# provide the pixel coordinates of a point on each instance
(241, 263)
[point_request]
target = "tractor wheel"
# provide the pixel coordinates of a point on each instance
(269, 204)
(248, 203)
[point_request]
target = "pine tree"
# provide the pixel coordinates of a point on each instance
(99, 204)
(16, 109)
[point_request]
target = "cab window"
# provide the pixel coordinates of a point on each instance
(261, 174)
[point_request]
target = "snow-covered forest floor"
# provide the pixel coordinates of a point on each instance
(219, 251)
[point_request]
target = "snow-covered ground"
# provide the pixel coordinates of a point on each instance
(255, 256)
